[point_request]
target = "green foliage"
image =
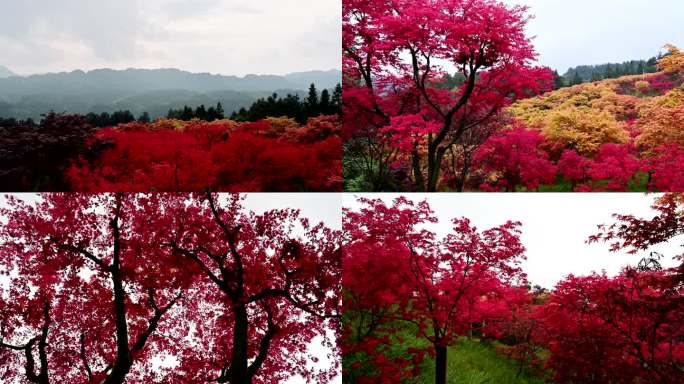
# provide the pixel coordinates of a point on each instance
(361, 174)
(292, 106)
(201, 112)
(470, 361)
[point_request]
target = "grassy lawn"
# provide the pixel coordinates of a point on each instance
(471, 362)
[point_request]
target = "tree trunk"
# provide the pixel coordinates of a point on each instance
(440, 364)
(124, 360)
(417, 172)
(460, 185)
(433, 174)
(238, 364)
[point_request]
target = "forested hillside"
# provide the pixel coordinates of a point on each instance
(141, 90)
(585, 73)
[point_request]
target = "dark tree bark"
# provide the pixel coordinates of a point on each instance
(440, 364)
(42, 377)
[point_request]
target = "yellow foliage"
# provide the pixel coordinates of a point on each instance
(281, 124)
(535, 111)
(227, 124)
(662, 120)
(173, 124)
(673, 62)
(584, 129)
(585, 116)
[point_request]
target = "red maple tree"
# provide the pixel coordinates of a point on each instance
(394, 80)
(600, 328)
(441, 285)
(165, 288)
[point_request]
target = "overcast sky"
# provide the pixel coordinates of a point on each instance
(554, 227)
(234, 37)
(571, 33)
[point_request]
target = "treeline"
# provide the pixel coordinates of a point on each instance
(207, 114)
(587, 73)
(106, 119)
(292, 106)
(97, 120)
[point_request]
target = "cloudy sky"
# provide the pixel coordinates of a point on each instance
(235, 37)
(555, 227)
(571, 33)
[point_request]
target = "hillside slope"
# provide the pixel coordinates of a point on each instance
(647, 110)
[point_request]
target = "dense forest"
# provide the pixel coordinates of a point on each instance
(292, 106)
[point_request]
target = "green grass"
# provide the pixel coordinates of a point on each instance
(471, 362)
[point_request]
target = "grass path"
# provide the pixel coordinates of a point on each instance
(471, 362)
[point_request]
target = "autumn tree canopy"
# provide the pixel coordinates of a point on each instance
(441, 285)
(164, 289)
(396, 56)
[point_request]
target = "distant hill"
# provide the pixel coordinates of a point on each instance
(151, 90)
(587, 73)
(5, 72)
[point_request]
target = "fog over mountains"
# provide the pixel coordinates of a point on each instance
(139, 90)
(5, 72)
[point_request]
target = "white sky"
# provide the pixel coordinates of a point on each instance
(576, 32)
(232, 37)
(325, 207)
(554, 226)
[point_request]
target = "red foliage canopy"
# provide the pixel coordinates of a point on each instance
(516, 159)
(176, 288)
(222, 156)
(602, 329)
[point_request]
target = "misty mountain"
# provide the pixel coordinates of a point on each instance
(151, 90)
(5, 72)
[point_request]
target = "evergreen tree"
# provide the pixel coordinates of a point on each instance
(577, 79)
(200, 112)
(324, 105)
(187, 113)
(312, 99)
(558, 81)
(144, 117)
(211, 114)
(337, 97)
(220, 113)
